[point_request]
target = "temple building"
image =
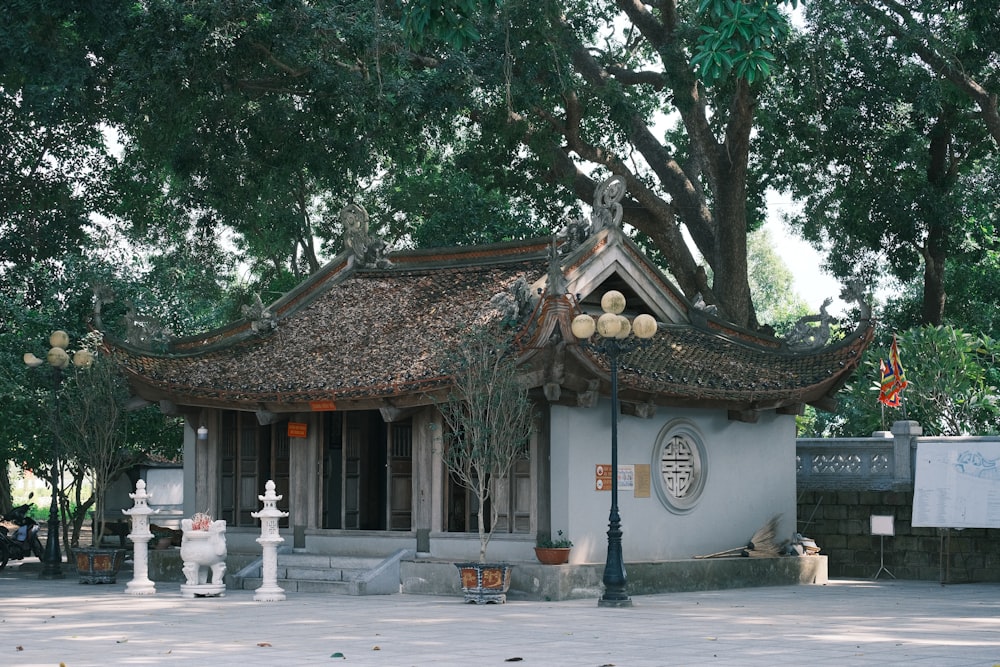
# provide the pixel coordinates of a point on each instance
(331, 392)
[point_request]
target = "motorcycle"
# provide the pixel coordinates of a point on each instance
(24, 540)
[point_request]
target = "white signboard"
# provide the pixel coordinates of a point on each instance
(626, 477)
(957, 485)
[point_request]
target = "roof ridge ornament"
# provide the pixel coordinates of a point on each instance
(146, 332)
(514, 303)
(805, 337)
(854, 291)
(608, 211)
(368, 249)
(555, 283)
(261, 318)
(700, 304)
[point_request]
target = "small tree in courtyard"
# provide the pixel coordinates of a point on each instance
(488, 420)
(94, 431)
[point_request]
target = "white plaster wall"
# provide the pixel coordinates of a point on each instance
(750, 478)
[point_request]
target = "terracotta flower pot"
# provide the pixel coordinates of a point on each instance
(552, 555)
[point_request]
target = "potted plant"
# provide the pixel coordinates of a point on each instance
(163, 537)
(553, 551)
(93, 433)
(488, 419)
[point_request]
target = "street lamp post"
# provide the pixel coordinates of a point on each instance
(58, 359)
(616, 336)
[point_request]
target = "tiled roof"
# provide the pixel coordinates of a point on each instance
(357, 337)
(699, 367)
(375, 333)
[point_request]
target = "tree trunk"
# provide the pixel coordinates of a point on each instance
(941, 170)
(6, 502)
(932, 308)
(681, 195)
(484, 536)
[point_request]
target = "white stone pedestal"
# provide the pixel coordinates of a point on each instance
(209, 590)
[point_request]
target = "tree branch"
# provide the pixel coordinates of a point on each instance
(928, 48)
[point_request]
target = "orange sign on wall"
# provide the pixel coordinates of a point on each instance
(602, 477)
(297, 430)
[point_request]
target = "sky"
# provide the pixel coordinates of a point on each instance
(811, 282)
(805, 262)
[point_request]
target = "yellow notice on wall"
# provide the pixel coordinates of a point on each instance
(642, 480)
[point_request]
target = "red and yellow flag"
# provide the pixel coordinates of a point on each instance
(893, 378)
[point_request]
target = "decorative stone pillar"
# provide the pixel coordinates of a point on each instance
(269, 540)
(904, 434)
(140, 536)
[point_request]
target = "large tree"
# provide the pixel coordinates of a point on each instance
(891, 157)
(264, 118)
(663, 94)
(51, 148)
(957, 40)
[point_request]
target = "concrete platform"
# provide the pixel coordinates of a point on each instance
(844, 623)
(530, 580)
(534, 581)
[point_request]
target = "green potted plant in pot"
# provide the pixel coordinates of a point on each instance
(553, 550)
(488, 422)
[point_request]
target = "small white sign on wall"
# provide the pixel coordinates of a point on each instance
(626, 477)
(883, 524)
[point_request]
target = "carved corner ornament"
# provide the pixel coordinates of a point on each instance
(369, 250)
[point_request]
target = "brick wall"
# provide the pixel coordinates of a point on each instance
(839, 522)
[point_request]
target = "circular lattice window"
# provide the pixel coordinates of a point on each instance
(679, 466)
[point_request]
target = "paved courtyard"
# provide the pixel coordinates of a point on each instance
(885, 622)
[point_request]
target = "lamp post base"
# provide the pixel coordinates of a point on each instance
(615, 579)
(606, 602)
(52, 558)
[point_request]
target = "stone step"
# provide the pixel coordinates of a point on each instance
(304, 586)
(327, 561)
(319, 573)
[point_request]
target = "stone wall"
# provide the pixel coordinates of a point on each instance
(843, 482)
(839, 522)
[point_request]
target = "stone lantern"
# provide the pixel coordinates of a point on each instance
(140, 536)
(269, 540)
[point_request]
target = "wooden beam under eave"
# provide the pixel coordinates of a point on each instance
(746, 416)
(797, 409)
(646, 410)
